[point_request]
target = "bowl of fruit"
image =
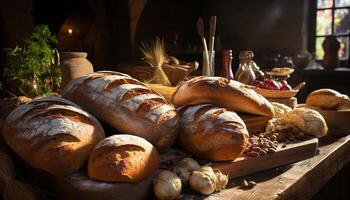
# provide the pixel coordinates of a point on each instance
(275, 89)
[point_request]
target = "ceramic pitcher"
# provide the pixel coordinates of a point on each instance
(74, 65)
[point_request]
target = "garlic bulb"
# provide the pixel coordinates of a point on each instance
(167, 185)
(190, 164)
(183, 173)
(204, 180)
(222, 180)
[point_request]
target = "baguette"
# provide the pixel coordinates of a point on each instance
(126, 104)
(328, 99)
(232, 95)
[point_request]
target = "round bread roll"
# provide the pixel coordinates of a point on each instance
(280, 109)
(212, 133)
(124, 158)
(229, 94)
(52, 134)
(328, 99)
(307, 120)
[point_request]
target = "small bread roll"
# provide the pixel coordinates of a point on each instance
(212, 133)
(124, 158)
(307, 120)
(328, 99)
(280, 109)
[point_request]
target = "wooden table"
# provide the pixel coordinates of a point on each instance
(300, 180)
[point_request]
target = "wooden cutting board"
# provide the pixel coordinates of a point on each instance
(79, 186)
(292, 152)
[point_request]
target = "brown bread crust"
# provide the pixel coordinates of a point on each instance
(212, 133)
(126, 104)
(231, 94)
(52, 134)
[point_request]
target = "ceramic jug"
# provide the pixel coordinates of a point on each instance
(74, 65)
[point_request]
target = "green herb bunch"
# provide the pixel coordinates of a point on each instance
(32, 66)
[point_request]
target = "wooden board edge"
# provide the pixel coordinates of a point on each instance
(284, 156)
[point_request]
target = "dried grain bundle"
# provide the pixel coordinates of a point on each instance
(12, 189)
(155, 56)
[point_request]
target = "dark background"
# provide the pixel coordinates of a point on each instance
(266, 27)
(102, 29)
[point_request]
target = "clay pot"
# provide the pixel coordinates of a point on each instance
(302, 59)
(74, 65)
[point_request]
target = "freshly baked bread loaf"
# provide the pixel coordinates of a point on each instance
(328, 99)
(52, 134)
(125, 158)
(232, 95)
(126, 104)
(308, 121)
(280, 109)
(212, 133)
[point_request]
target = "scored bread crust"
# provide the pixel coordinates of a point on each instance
(123, 158)
(126, 104)
(232, 95)
(52, 134)
(328, 99)
(308, 121)
(212, 133)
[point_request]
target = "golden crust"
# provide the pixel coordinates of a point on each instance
(126, 104)
(307, 120)
(280, 109)
(229, 94)
(328, 99)
(212, 133)
(123, 158)
(53, 135)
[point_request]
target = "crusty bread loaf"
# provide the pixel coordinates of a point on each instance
(328, 99)
(280, 109)
(232, 95)
(212, 133)
(126, 104)
(124, 158)
(52, 134)
(308, 121)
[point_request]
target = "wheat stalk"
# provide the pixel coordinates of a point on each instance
(155, 56)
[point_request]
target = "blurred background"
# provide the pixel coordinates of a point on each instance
(279, 32)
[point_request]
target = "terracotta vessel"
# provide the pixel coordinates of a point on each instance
(74, 65)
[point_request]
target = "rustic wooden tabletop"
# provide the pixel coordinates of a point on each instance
(301, 180)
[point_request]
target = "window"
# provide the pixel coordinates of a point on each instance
(333, 18)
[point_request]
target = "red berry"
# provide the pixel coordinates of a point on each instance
(286, 87)
(257, 83)
(271, 85)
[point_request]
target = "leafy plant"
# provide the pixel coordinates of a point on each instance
(31, 65)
